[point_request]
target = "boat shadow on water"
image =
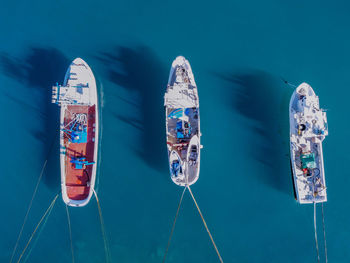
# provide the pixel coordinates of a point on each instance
(263, 100)
(37, 70)
(139, 71)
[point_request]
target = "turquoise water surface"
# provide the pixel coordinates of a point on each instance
(239, 52)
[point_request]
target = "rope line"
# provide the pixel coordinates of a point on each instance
(289, 84)
(28, 210)
(173, 227)
(318, 252)
(31, 201)
(205, 224)
(37, 237)
(107, 252)
(36, 228)
(70, 234)
(324, 235)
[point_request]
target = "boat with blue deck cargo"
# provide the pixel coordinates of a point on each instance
(79, 122)
(182, 124)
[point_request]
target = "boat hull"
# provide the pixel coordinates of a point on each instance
(177, 172)
(306, 149)
(77, 183)
(182, 119)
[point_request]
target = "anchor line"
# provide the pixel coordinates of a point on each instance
(316, 242)
(70, 234)
(31, 200)
(289, 84)
(28, 210)
(173, 227)
(47, 212)
(37, 236)
(205, 225)
(103, 229)
(324, 235)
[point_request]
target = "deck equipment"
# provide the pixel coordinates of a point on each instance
(79, 128)
(183, 134)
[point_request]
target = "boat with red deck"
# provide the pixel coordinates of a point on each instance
(77, 98)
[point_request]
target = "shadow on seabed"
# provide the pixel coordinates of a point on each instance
(140, 70)
(39, 69)
(264, 100)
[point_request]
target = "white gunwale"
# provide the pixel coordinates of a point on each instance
(182, 96)
(308, 128)
(89, 98)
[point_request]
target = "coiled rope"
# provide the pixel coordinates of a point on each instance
(70, 234)
(205, 224)
(324, 235)
(316, 242)
(173, 227)
(47, 212)
(103, 229)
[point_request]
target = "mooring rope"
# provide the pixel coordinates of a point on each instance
(36, 228)
(70, 234)
(317, 250)
(205, 224)
(37, 236)
(289, 84)
(173, 227)
(324, 235)
(28, 210)
(31, 200)
(103, 229)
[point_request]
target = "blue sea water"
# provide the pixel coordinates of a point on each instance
(240, 52)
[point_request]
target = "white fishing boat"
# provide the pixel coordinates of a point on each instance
(79, 125)
(308, 128)
(182, 124)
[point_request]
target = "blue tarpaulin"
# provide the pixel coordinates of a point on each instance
(79, 136)
(176, 114)
(80, 162)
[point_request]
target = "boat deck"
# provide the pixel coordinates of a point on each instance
(308, 128)
(180, 145)
(78, 180)
(310, 189)
(182, 120)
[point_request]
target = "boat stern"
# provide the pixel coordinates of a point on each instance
(75, 203)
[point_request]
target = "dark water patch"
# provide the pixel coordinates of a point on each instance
(13, 67)
(132, 103)
(25, 104)
(37, 70)
(261, 99)
(38, 134)
(134, 122)
(139, 70)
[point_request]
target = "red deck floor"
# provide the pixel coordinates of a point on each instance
(78, 181)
